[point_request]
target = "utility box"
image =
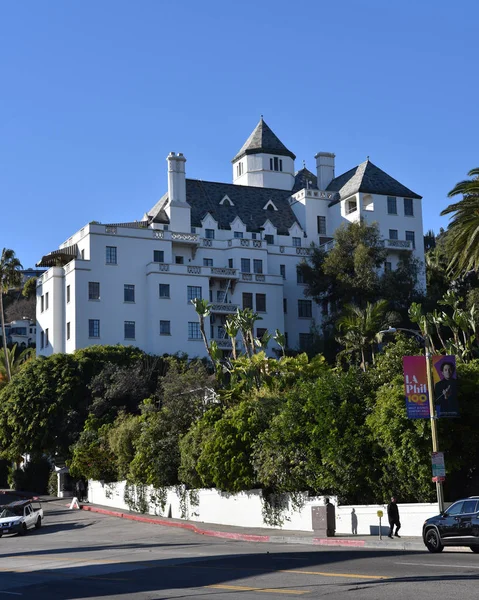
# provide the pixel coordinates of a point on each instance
(324, 520)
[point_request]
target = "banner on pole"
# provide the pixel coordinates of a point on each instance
(445, 386)
(415, 386)
(438, 466)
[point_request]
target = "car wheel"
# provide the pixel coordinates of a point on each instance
(38, 524)
(23, 530)
(433, 541)
(475, 549)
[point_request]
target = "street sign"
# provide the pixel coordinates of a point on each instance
(380, 513)
(438, 479)
(438, 467)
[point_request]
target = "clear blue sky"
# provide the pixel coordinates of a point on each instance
(95, 94)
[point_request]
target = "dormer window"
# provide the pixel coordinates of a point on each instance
(269, 206)
(239, 169)
(226, 200)
(351, 206)
(275, 164)
(210, 234)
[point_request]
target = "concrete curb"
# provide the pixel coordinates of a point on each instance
(272, 539)
(155, 521)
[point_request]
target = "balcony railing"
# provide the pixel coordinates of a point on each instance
(224, 307)
(398, 244)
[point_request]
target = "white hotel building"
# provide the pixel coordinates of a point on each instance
(236, 244)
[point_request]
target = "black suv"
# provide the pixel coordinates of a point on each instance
(456, 526)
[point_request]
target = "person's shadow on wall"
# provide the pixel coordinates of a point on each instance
(354, 522)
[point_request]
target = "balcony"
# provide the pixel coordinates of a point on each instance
(223, 273)
(223, 343)
(224, 308)
(398, 244)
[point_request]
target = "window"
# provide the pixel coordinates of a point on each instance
(128, 293)
(68, 294)
(93, 290)
(158, 256)
(247, 300)
(111, 256)
(388, 267)
(194, 332)
(82, 254)
(305, 309)
(285, 305)
(245, 265)
(179, 260)
(257, 266)
(42, 340)
(299, 276)
(410, 236)
(305, 341)
(238, 234)
(260, 332)
(296, 242)
(165, 227)
(220, 296)
(408, 207)
(254, 236)
(94, 328)
(46, 301)
(239, 169)
(322, 225)
(193, 230)
(207, 262)
(393, 234)
(260, 302)
(230, 263)
(455, 509)
(68, 330)
(275, 164)
(269, 239)
(351, 206)
(165, 328)
(392, 206)
(129, 330)
(42, 303)
(210, 234)
(164, 289)
(194, 291)
(469, 507)
(282, 271)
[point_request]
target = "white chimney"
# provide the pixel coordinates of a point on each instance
(324, 168)
(176, 177)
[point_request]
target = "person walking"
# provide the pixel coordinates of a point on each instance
(393, 518)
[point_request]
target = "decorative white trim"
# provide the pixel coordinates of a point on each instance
(268, 204)
(227, 200)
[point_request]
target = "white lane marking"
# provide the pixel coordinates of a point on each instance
(416, 564)
(11, 593)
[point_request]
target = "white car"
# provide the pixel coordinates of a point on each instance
(20, 516)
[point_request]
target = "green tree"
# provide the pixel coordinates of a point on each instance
(359, 328)
(9, 277)
(203, 310)
(30, 288)
(463, 231)
(15, 359)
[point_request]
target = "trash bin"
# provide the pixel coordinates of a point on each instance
(324, 520)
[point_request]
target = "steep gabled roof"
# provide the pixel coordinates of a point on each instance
(305, 179)
(204, 197)
(369, 179)
(263, 140)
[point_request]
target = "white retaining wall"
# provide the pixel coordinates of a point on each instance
(245, 509)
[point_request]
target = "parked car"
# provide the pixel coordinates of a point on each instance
(19, 516)
(456, 526)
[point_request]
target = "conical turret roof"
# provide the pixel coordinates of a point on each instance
(263, 141)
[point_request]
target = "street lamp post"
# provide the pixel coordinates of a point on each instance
(432, 410)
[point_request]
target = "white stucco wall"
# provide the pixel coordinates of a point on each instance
(245, 509)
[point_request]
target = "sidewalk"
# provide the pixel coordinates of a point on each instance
(262, 535)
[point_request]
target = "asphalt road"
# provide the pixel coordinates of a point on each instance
(77, 554)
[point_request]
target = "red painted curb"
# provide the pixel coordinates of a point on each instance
(246, 537)
(331, 542)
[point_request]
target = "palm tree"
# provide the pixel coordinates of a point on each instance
(360, 327)
(15, 362)
(9, 277)
(463, 231)
(231, 329)
(203, 310)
